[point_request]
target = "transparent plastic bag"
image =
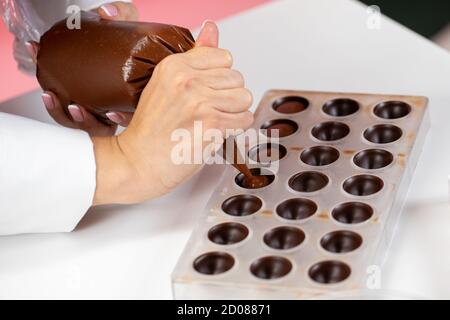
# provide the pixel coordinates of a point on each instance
(29, 19)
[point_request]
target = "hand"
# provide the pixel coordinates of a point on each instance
(80, 117)
(137, 165)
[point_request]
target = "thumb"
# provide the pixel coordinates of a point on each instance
(208, 36)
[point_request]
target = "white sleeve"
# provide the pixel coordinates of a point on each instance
(47, 176)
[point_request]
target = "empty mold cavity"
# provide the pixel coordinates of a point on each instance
(363, 185)
(296, 209)
(241, 205)
(228, 233)
(392, 110)
(330, 131)
(271, 267)
(213, 263)
(268, 152)
(284, 127)
(290, 105)
(329, 272)
(260, 179)
(352, 212)
(308, 181)
(284, 238)
(373, 159)
(341, 241)
(341, 107)
(319, 156)
(383, 133)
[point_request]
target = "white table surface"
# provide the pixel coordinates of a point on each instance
(130, 251)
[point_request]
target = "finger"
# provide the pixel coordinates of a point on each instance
(121, 118)
(208, 36)
(88, 122)
(231, 101)
(32, 48)
(235, 121)
(55, 109)
(221, 79)
(118, 11)
(203, 58)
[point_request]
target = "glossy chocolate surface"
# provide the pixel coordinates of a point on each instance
(363, 185)
(241, 205)
(392, 110)
(308, 181)
(330, 131)
(268, 152)
(319, 156)
(383, 133)
(373, 159)
(285, 127)
(290, 104)
(284, 238)
(352, 212)
(213, 263)
(271, 267)
(342, 241)
(296, 209)
(228, 233)
(341, 107)
(328, 272)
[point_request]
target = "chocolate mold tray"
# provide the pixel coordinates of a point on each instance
(330, 212)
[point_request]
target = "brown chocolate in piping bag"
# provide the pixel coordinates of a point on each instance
(105, 65)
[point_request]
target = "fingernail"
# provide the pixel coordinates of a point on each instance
(205, 22)
(115, 117)
(110, 10)
(48, 101)
(31, 49)
(76, 113)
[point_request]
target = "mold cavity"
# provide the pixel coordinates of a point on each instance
(228, 233)
(268, 152)
(283, 238)
(352, 212)
(257, 181)
(383, 133)
(341, 241)
(241, 205)
(271, 267)
(214, 263)
(319, 156)
(308, 181)
(284, 127)
(330, 131)
(392, 110)
(363, 185)
(328, 272)
(373, 159)
(296, 209)
(341, 107)
(291, 104)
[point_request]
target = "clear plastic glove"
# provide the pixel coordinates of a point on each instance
(29, 19)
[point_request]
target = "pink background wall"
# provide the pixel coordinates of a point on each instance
(189, 13)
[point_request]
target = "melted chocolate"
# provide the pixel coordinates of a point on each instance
(284, 127)
(255, 181)
(105, 65)
(290, 105)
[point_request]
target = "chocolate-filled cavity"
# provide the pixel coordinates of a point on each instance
(242, 205)
(352, 212)
(383, 133)
(257, 181)
(228, 233)
(392, 110)
(296, 209)
(319, 156)
(290, 105)
(373, 159)
(268, 152)
(285, 127)
(308, 181)
(271, 267)
(341, 241)
(363, 185)
(329, 272)
(330, 131)
(213, 263)
(105, 65)
(284, 238)
(341, 107)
